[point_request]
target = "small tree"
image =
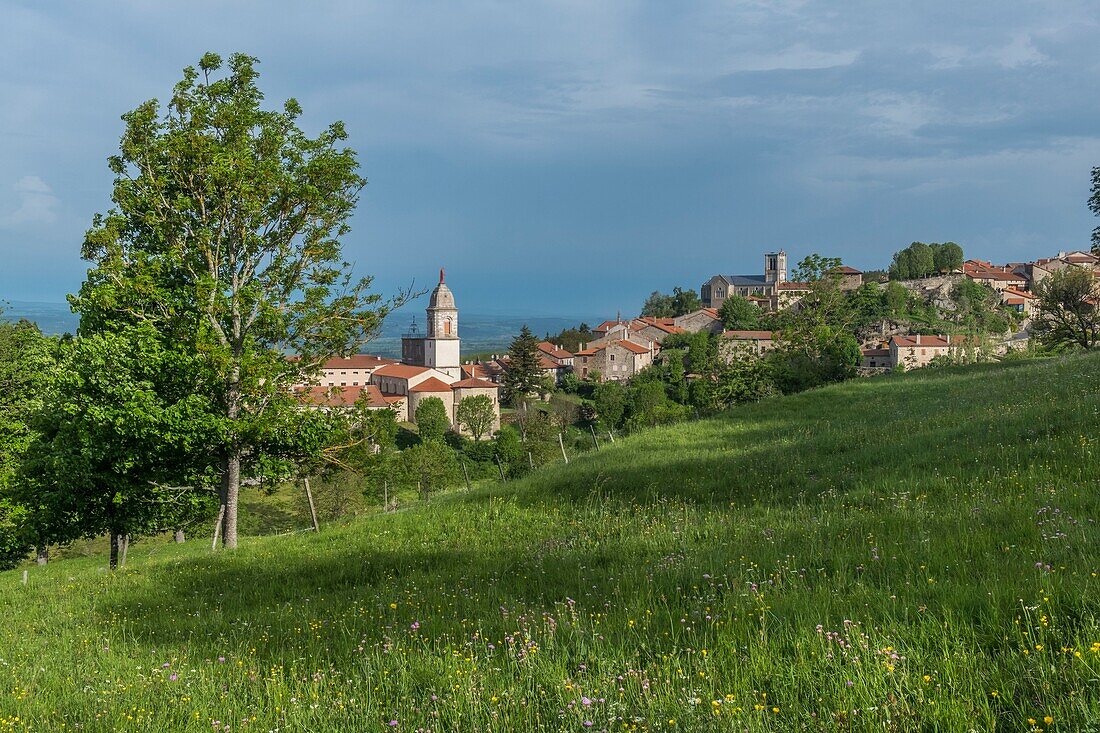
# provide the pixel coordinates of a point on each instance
(685, 301)
(739, 314)
(658, 305)
(476, 415)
(430, 466)
(1068, 309)
(524, 376)
(610, 399)
(431, 419)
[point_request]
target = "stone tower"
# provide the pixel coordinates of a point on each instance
(441, 344)
(775, 267)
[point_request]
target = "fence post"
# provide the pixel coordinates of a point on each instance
(312, 509)
(218, 527)
(562, 444)
(594, 441)
(466, 474)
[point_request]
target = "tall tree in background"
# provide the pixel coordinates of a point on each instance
(947, 256)
(658, 305)
(225, 236)
(1069, 309)
(1094, 206)
(524, 376)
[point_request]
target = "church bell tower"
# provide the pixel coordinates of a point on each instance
(441, 344)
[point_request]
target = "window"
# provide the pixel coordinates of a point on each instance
(612, 357)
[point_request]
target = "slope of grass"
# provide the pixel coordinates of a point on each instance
(912, 553)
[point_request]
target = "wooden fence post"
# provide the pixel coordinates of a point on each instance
(218, 527)
(312, 509)
(562, 444)
(466, 474)
(594, 441)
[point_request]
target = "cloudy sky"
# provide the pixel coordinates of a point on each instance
(567, 158)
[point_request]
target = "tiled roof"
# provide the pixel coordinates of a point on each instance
(431, 384)
(876, 352)
(789, 285)
(633, 347)
(845, 270)
(548, 348)
(402, 371)
(358, 361)
(591, 350)
(936, 342)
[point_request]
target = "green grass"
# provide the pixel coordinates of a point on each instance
(915, 552)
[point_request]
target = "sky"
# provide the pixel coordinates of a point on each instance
(568, 158)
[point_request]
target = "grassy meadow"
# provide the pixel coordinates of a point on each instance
(914, 552)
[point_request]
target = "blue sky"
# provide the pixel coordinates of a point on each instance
(567, 158)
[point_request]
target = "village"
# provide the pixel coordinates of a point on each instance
(431, 364)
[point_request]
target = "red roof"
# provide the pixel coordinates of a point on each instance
(845, 270)
(474, 384)
(357, 361)
(789, 285)
(632, 347)
(431, 384)
(876, 352)
(547, 363)
(750, 335)
(606, 326)
(548, 348)
(936, 342)
(403, 371)
(591, 350)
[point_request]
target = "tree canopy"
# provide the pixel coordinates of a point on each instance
(1069, 309)
(225, 237)
(922, 260)
(524, 376)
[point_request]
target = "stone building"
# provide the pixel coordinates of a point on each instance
(715, 290)
(613, 361)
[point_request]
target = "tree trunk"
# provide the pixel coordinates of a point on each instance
(114, 549)
(179, 537)
(43, 556)
(231, 487)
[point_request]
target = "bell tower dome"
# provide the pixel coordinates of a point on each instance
(441, 345)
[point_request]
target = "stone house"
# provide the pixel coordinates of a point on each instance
(918, 351)
(614, 361)
(351, 371)
(877, 359)
(1020, 301)
(704, 319)
(736, 344)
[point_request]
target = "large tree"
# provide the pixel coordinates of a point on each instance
(524, 376)
(431, 419)
(1069, 309)
(225, 236)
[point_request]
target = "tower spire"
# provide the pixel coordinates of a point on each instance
(441, 275)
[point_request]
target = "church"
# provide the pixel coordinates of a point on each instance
(431, 365)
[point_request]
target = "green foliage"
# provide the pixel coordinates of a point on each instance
(120, 444)
(571, 339)
(610, 402)
(1068, 313)
(745, 380)
(903, 515)
(431, 419)
(978, 308)
(476, 415)
(15, 540)
(739, 314)
(225, 237)
(430, 466)
(508, 449)
(570, 384)
(921, 260)
(524, 377)
(679, 303)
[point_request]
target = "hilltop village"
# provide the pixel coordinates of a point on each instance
(431, 364)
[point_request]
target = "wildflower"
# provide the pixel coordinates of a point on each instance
(393, 723)
(1048, 720)
(393, 605)
(173, 677)
(588, 724)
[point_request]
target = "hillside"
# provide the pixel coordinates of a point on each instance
(901, 553)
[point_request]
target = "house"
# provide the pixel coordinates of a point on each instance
(850, 278)
(351, 371)
(704, 319)
(652, 330)
(735, 344)
(919, 350)
(344, 398)
(1020, 301)
(613, 361)
(998, 278)
(556, 353)
(876, 359)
